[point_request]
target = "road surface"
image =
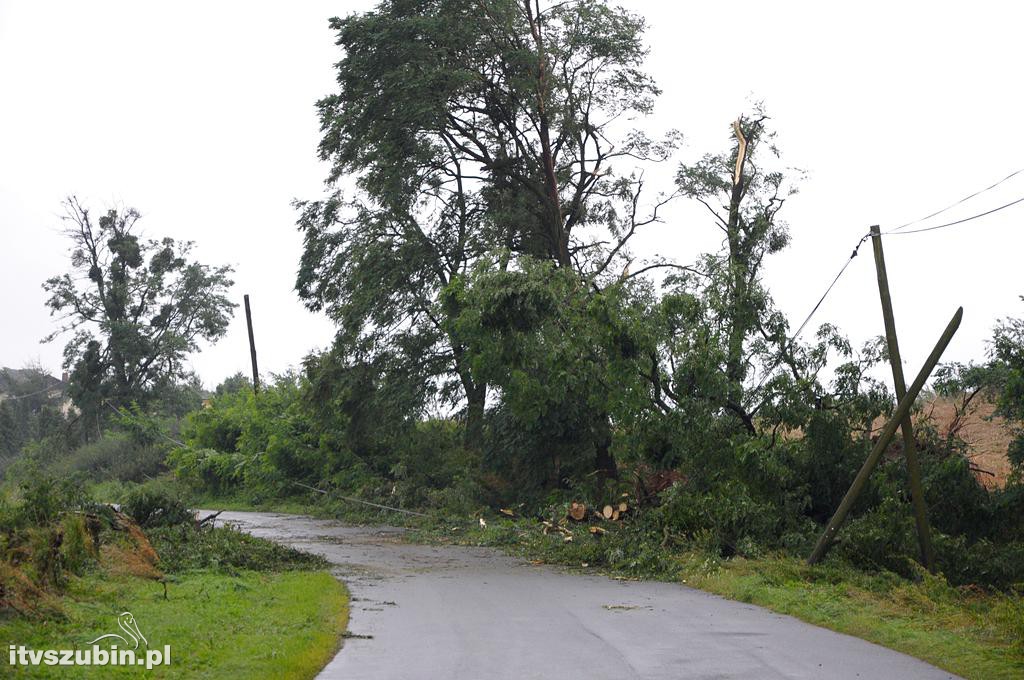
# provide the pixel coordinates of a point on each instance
(424, 612)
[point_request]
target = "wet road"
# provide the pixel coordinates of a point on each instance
(455, 613)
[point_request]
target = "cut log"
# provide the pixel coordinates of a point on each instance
(615, 515)
(608, 512)
(598, 531)
(209, 519)
(577, 511)
(623, 506)
(506, 512)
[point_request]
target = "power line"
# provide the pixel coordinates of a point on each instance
(950, 224)
(789, 341)
(953, 205)
(895, 232)
(830, 287)
(32, 394)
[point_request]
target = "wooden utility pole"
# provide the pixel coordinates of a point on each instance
(252, 347)
(902, 411)
(924, 537)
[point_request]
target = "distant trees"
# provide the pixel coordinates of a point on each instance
(136, 308)
(28, 409)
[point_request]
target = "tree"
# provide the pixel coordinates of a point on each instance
(476, 132)
(720, 317)
(239, 382)
(136, 309)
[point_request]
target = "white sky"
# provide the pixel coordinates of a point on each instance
(203, 119)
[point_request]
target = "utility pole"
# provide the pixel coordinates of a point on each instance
(902, 411)
(252, 348)
(909, 444)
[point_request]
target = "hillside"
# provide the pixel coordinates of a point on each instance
(987, 436)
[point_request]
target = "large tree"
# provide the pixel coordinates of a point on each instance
(135, 307)
(482, 130)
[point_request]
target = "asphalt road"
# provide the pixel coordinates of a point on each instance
(453, 613)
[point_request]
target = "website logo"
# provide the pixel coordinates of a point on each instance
(120, 649)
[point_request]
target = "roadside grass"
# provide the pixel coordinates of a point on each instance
(971, 633)
(243, 625)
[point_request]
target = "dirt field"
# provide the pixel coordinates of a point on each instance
(987, 436)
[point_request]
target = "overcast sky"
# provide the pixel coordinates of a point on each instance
(202, 117)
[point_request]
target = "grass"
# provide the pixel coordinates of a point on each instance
(971, 633)
(246, 625)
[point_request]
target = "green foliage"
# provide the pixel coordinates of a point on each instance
(77, 548)
(31, 410)
(239, 382)
(43, 539)
(113, 456)
(475, 147)
(208, 470)
(881, 539)
(136, 308)
(152, 508)
(242, 438)
(1001, 378)
(562, 358)
(726, 519)
(184, 548)
(44, 499)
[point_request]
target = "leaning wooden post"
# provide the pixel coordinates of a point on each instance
(252, 348)
(924, 536)
(902, 410)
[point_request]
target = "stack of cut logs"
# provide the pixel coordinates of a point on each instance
(578, 513)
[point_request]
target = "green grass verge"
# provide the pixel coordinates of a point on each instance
(971, 633)
(246, 625)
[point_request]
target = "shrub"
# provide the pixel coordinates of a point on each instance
(115, 456)
(997, 565)
(154, 508)
(881, 539)
(44, 499)
(726, 517)
(77, 548)
(184, 548)
(208, 470)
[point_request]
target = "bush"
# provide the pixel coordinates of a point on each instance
(881, 539)
(115, 456)
(185, 548)
(153, 508)
(997, 565)
(77, 548)
(44, 499)
(726, 518)
(208, 470)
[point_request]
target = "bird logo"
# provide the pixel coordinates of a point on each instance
(126, 622)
